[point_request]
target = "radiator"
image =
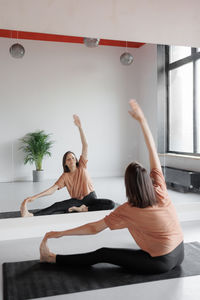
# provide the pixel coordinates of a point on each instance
(182, 180)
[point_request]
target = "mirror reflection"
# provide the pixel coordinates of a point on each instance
(75, 178)
(50, 84)
(55, 81)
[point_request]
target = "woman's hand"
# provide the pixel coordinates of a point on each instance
(52, 235)
(28, 199)
(135, 111)
(77, 121)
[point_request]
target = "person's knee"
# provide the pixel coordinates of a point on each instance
(109, 203)
(101, 250)
(55, 205)
(112, 204)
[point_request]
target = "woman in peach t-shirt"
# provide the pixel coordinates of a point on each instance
(149, 215)
(76, 179)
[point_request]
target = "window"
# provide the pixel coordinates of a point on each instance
(183, 99)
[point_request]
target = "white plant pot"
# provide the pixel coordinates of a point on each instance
(38, 175)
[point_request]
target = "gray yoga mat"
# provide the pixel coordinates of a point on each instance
(14, 214)
(32, 279)
(17, 214)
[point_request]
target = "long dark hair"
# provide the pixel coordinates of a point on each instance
(139, 186)
(65, 167)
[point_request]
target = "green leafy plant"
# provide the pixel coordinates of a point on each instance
(36, 146)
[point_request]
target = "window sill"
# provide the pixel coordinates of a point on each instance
(179, 155)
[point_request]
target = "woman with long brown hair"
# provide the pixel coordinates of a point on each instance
(76, 179)
(149, 215)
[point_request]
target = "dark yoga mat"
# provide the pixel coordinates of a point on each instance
(31, 279)
(14, 214)
(17, 214)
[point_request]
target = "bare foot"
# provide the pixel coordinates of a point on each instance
(79, 209)
(45, 254)
(24, 211)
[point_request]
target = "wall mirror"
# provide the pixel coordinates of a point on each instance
(55, 80)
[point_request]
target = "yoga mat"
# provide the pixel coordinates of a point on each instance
(32, 279)
(14, 214)
(17, 214)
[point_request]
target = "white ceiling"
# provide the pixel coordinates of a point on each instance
(152, 21)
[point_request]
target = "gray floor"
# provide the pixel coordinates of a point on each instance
(13, 193)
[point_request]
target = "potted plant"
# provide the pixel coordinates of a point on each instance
(36, 146)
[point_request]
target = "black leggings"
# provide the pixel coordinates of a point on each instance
(136, 260)
(91, 201)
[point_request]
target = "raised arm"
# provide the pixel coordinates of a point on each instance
(77, 122)
(138, 114)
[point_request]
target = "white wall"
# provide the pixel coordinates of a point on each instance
(151, 21)
(55, 80)
(162, 22)
(51, 83)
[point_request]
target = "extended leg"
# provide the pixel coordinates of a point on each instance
(135, 260)
(98, 204)
(129, 258)
(59, 207)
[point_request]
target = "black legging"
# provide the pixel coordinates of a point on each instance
(136, 260)
(91, 201)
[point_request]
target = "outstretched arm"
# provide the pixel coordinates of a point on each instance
(87, 229)
(77, 122)
(90, 228)
(23, 207)
(47, 192)
(137, 114)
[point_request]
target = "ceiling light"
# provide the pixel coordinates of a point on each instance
(90, 42)
(126, 58)
(17, 51)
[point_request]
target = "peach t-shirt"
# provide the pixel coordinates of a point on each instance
(77, 183)
(155, 229)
